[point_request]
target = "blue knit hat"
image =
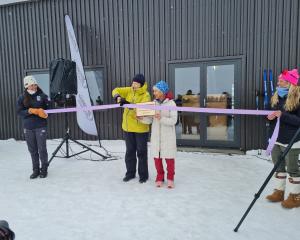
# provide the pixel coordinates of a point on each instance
(162, 86)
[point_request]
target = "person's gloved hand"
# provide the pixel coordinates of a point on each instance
(38, 111)
(123, 101)
(117, 98)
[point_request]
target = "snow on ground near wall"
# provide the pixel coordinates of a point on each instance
(84, 199)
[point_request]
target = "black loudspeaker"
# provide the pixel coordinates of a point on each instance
(63, 79)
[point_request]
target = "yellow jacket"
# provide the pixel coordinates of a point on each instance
(130, 123)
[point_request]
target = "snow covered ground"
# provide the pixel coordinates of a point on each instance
(83, 200)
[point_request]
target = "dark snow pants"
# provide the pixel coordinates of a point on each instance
(136, 145)
(36, 143)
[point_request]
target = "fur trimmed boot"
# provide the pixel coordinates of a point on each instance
(293, 200)
(280, 182)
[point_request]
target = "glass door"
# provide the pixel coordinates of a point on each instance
(220, 92)
(207, 84)
(187, 94)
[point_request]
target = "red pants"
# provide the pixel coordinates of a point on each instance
(160, 169)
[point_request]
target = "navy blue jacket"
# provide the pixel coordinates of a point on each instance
(31, 121)
(289, 122)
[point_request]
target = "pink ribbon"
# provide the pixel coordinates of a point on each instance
(272, 140)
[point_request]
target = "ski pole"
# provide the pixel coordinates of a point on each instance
(266, 101)
(257, 99)
(257, 107)
(271, 81)
(276, 165)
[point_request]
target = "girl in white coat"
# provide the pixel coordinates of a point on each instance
(163, 135)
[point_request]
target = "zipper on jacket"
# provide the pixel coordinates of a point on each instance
(159, 131)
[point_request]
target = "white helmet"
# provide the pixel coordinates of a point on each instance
(29, 80)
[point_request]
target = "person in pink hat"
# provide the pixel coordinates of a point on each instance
(286, 103)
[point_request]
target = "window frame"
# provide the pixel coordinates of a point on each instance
(91, 67)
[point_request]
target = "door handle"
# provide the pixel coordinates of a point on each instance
(204, 102)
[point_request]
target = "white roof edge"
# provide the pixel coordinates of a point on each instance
(6, 2)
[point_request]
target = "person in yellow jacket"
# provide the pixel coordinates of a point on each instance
(136, 132)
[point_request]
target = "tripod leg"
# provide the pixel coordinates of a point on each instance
(57, 149)
(92, 150)
(67, 146)
(276, 165)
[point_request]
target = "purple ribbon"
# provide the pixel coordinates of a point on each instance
(272, 140)
(92, 108)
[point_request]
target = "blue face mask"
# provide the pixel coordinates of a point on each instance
(282, 91)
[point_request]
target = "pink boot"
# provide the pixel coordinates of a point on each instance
(159, 184)
(170, 184)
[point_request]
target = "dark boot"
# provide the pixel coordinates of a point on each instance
(44, 172)
(35, 174)
(128, 178)
(143, 180)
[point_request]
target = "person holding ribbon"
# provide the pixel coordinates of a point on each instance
(30, 107)
(136, 132)
(286, 103)
(163, 134)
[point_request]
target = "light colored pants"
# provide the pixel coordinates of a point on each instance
(290, 165)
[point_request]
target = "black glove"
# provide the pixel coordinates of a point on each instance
(116, 97)
(123, 101)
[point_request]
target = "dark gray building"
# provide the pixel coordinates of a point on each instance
(211, 52)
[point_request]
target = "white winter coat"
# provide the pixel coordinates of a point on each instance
(163, 135)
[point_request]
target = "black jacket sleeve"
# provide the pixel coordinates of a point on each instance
(46, 102)
(22, 111)
(291, 119)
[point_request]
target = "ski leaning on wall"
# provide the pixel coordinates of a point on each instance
(266, 97)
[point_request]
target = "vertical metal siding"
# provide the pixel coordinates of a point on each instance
(131, 36)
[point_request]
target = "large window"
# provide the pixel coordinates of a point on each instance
(95, 83)
(43, 80)
(94, 79)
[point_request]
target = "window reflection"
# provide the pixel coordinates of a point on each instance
(95, 84)
(220, 94)
(94, 79)
(187, 90)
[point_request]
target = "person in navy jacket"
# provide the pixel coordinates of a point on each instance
(286, 105)
(30, 107)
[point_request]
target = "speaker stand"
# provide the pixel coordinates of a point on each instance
(66, 139)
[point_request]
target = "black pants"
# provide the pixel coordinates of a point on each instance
(136, 145)
(36, 142)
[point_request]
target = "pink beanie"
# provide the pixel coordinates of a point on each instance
(290, 76)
